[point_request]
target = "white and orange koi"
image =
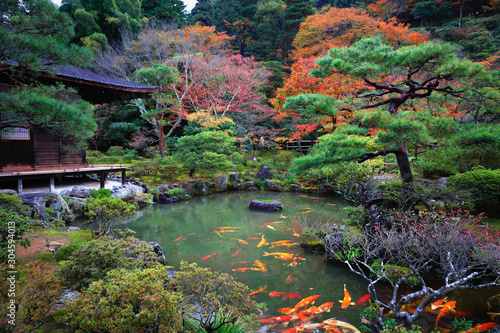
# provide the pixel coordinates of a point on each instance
(258, 290)
(347, 299)
(242, 241)
(337, 323)
(262, 242)
(304, 328)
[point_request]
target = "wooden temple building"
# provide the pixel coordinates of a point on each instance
(35, 153)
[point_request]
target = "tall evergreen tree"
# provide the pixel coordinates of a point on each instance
(203, 12)
(165, 10)
(296, 12)
(268, 27)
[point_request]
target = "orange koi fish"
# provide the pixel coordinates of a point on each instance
(295, 233)
(347, 299)
(258, 290)
(304, 328)
(289, 228)
(287, 311)
(181, 237)
(280, 255)
(276, 293)
(333, 204)
(210, 255)
(363, 299)
(253, 238)
(227, 230)
(482, 327)
(279, 319)
(238, 262)
(261, 266)
(303, 196)
(242, 241)
(438, 304)
(329, 329)
(447, 308)
(262, 242)
(282, 216)
(236, 253)
(269, 223)
(293, 207)
(291, 295)
(288, 202)
(229, 227)
(325, 307)
(306, 301)
(293, 264)
(257, 233)
(281, 242)
(289, 277)
(307, 212)
(245, 269)
(342, 324)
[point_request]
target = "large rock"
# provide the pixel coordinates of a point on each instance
(221, 183)
(265, 205)
(264, 173)
(9, 192)
(272, 186)
(39, 201)
(81, 192)
(158, 250)
(77, 205)
(126, 192)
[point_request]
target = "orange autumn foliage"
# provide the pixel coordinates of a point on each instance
(344, 26)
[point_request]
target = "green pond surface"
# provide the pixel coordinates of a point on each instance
(185, 230)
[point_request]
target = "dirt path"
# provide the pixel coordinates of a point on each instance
(38, 246)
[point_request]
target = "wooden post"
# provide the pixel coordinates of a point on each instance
(102, 177)
(124, 177)
(19, 185)
(52, 187)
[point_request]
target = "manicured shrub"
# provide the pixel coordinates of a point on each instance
(126, 301)
(485, 185)
(105, 213)
(91, 261)
(13, 225)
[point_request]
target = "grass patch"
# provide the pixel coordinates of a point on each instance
(76, 236)
(49, 257)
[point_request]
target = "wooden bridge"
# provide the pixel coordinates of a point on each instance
(301, 146)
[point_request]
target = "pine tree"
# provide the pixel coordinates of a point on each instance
(164, 10)
(203, 12)
(296, 12)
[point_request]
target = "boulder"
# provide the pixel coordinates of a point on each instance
(67, 297)
(272, 186)
(295, 188)
(233, 176)
(221, 183)
(77, 205)
(128, 191)
(265, 205)
(68, 229)
(158, 250)
(264, 173)
(81, 192)
(9, 192)
(238, 186)
(441, 182)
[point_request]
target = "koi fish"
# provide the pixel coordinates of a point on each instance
(245, 269)
(279, 319)
(447, 308)
(329, 329)
(287, 311)
(438, 304)
(347, 299)
(262, 242)
(281, 241)
(227, 230)
(242, 241)
(271, 227)
(238, 262)
(258, 233)
(253, 238)
(210, 255)
(293, 207)
(363, 299)
(295, 233)
(342, 324)
(304, 328)
(316, 198)
(288, 202)
(276, 293)
(289, 277)
(291, 295)
(482, 327)
(333, 204)
(289, 228)
(293, 263)
(258, 290)
(280, 255)
(325, 307)
(236, 253)
(282, 216)
(307, 212)
(181, 237)
(260, 265)
(269, 223)
(229, 227)
(306, 301)
(303, 196)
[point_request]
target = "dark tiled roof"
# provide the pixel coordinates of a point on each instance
(84, 76)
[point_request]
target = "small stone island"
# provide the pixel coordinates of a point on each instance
(265, 205)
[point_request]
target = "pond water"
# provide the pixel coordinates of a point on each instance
(195, 221)
(185, 230)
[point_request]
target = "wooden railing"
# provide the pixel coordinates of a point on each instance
(301, 146)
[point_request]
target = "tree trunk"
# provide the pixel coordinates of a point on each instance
(191, 172)
(406, 176)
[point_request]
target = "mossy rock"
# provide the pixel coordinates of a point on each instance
(266, 205)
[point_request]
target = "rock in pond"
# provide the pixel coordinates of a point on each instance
(265, 205)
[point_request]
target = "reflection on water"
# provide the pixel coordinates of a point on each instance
(185, 230)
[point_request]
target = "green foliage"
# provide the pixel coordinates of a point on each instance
(57, 223)
(371, 313)
(50, 108)
(101, 193)
(394, 273)
(126, 301)
(13, 225)
(65, 252)
(41, 292)
(221, 297)
(177, 192)
(91, 261)
(356, 215)
(208, 150)
(171, 11)
(106, 213)
(461, 324)
(485, 185)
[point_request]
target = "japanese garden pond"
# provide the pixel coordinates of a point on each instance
(220, 232)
